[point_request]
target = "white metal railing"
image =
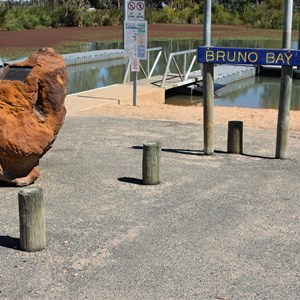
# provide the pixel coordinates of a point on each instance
(185, 71)
(149, 69)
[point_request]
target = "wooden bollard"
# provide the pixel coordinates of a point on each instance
(235, 137)
(32, 219)
(151, 163)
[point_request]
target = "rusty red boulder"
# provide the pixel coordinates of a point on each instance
(32, 111)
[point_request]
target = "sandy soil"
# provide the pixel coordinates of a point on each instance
(251, 118)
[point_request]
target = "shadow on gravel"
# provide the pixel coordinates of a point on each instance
(180, 151)
(9, 242)
(184, 151)
(5, 184)
(131, 180)
(201, 152)
(259, 156)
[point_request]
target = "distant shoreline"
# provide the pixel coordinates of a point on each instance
(20, 43)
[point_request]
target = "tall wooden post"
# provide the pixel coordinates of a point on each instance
(208, 88)
(32, 219)
(208, 108)
(285, 87)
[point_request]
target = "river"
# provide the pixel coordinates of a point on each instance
(258, 92)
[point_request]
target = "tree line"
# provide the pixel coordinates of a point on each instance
(27, 14)
(102, 4)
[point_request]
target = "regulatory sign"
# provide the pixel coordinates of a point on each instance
(241, 56)
(135, 10)
(135, 39)
(135, 65)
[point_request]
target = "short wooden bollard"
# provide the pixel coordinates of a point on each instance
(32, 219)
(235, 137)
(151, 163)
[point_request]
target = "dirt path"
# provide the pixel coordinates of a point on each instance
(251, 118)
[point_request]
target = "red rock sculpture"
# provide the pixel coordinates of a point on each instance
(32, 112)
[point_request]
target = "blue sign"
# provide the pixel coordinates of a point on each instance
(242, 56)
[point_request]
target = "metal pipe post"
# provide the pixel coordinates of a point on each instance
(124, 19)
(287, 26)
(207, 23)
(135, 88)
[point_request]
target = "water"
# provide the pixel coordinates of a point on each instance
(255, 92)
(258, 92)
(263, 93)
(91, 76)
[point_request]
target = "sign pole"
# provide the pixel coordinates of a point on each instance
(124, 19)
(207, 23)
(135, 80)
(135, 38)
(134, 96)
(283, 122)
(208, 87)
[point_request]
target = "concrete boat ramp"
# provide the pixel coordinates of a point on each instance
(118, 93)
(153, 88)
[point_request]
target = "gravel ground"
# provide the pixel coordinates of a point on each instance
(217, 227)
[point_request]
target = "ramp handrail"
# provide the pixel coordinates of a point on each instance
(183, 74)
(149, 72)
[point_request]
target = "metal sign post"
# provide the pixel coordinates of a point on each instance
(135, 37)
(207, 23)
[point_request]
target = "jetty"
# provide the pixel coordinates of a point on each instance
(181, 71)
(151, 89)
